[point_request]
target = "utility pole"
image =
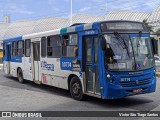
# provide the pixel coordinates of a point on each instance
(104, 8)
(71, 14)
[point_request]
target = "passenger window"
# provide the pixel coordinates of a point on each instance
(96, 49)
(27, 47)
(53, 46)
(43, 47)
(70, 45)
(14, 48)
(88, 43)
(20, 48)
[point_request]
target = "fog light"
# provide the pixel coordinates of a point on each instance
(111, 81)
(108, 76)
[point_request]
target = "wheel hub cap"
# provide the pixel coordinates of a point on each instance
(76, 88)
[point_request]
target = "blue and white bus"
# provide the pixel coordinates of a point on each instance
(109, 59)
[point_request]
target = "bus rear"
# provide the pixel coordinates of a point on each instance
(127, 60)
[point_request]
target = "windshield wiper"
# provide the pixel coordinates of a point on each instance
(122, 42)
(138, 44)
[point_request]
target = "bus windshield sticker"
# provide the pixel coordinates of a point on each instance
(117, 57)
(138, 66)
(117, 66)
(121, 65)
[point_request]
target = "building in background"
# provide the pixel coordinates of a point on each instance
(127, 15)
(154, 19)
(6, 19)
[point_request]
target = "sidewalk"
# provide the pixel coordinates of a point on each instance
(158, 71)
(1, 66)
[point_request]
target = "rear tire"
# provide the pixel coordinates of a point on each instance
(20, 76)
(76, 89)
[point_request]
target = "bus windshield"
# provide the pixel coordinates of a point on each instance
(126, 53)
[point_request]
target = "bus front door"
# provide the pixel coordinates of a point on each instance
(8, 55)
(36, 62)
(92, 76)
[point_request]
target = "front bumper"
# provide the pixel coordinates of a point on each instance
(117, 91)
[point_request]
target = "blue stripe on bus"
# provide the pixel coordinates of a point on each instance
(12, 39)
(16, 59)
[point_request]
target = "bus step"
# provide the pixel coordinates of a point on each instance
(37, 82)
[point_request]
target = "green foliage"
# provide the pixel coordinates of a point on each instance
(147, 25)
(158, 30)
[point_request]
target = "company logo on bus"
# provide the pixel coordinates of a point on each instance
(47, 66)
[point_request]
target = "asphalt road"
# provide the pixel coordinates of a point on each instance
(31, 97)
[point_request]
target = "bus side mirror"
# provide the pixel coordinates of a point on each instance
(103, 44)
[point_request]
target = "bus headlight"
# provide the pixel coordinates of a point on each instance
(108, 76)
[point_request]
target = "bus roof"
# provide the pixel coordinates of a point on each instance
(13, 39)
(42, 34)
(71, 29)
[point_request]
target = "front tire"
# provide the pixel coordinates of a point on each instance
(76, 89)
(20, 76)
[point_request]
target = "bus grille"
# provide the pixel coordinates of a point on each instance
(135, 83)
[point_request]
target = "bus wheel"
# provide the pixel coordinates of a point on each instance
(76, 89)
(20, 76)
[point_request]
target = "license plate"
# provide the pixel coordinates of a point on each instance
(137, 90)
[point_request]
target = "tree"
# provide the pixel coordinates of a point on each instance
(158, 30)
(149, 27)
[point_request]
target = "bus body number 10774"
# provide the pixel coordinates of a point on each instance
(66, 64)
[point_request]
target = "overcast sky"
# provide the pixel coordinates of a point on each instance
(36, 9)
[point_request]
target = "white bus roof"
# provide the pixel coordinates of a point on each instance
(42, 34)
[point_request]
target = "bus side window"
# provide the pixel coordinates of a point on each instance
(43, 47)
(53, 46)
(70, 45)
(14, 48)
(20, 48)
(27, 48)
